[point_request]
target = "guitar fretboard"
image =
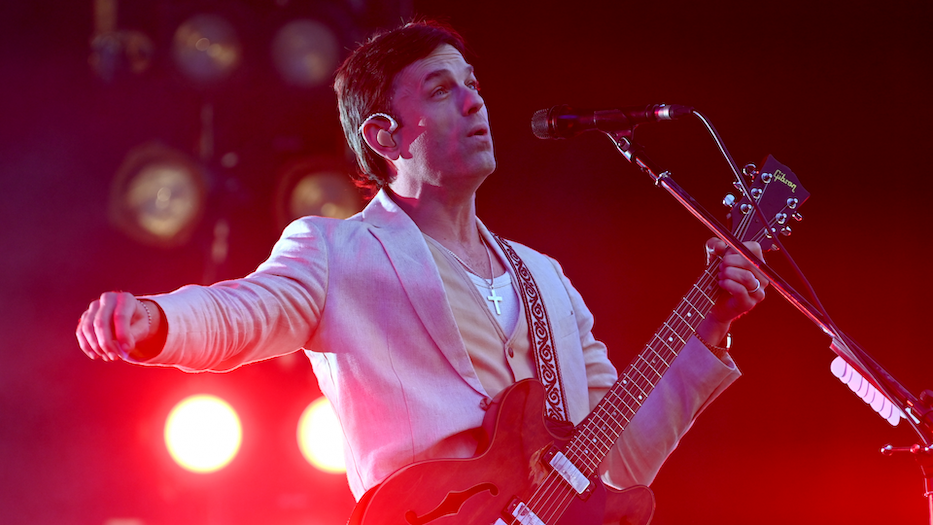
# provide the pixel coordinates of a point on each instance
(595, 436)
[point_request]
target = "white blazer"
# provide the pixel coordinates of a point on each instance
(364, 299)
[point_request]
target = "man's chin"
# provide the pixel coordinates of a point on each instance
(490, 163)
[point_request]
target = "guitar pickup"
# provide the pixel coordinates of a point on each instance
(569, 472)
(522, 515)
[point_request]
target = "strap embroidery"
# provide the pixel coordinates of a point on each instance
(541, 335)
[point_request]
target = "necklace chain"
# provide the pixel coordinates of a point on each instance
(492, 271)
(495, 299)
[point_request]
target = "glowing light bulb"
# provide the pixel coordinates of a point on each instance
(320, 437)
(203, 433)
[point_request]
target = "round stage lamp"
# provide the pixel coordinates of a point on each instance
(305, 53)
(203, 433)
(206, 48)
(157, 196)
(315, 186)
(320, 437)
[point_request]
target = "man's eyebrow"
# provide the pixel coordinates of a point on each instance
(442, 72)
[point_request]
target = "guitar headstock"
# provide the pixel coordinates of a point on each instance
(777, 192)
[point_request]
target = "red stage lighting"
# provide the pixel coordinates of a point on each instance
(203, 433)
(320, 437)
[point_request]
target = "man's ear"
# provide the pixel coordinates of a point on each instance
(377, 131)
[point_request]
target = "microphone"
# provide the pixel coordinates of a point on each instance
(562, 122)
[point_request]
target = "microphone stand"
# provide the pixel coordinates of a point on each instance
(918, 412)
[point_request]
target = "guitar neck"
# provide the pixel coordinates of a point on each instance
(595, 436)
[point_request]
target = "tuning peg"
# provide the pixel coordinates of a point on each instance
(729, 200)
(745, 208)
(750, 170)
(786, 231)
(792, 203)
(767, 177)
(756, 193)
(780, 218)
(797, 216)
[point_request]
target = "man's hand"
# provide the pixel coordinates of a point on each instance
(743, 286)
(115, 324)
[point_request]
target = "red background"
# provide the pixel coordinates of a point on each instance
(838, 91)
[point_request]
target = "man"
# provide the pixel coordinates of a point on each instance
(411, 312)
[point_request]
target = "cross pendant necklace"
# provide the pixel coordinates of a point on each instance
(492, 297)
(492, 279)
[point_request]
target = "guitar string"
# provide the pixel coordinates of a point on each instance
(553, 485)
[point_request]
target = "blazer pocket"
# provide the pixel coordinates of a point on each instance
(566, 326)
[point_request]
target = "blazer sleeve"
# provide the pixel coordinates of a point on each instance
(694, 380)
(269, 313)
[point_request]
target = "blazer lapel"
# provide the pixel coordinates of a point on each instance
(413, 263)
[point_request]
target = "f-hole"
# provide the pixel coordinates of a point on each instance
(451, 504)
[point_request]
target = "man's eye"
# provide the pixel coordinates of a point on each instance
(439, 91)
(474, 85)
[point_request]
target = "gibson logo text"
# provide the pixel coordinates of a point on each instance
(779, 176)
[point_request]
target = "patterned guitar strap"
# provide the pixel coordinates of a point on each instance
(539, 327)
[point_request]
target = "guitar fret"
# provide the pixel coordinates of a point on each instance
(676, 333)
(705, 296)
(664, 343)
(699, 314)
(642, 393)
(684, 321)
(665, 362)
(652, 369)
(586, 457)
(620, 402)
(601, 440)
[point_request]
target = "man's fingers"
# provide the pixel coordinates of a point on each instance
(105, 328)
(743, 278)
(103, 324)
(82, 337)
(124, 312)
(90, 333)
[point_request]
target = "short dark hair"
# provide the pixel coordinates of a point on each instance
(364, 85)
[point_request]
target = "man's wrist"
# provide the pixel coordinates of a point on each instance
(151, 346)
(721, 350)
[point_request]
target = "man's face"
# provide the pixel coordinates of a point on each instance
(444, 134)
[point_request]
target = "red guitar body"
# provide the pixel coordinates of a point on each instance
(511, 470)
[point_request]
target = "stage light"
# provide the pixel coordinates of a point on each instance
(203, 433)
(315, 186)
(123, 50)
(158, 195)
(305, 53)
(320, 437)
(206, 48)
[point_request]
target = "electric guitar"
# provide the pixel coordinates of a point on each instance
(532, 472)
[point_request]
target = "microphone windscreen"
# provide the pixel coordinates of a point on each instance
(539, 125)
